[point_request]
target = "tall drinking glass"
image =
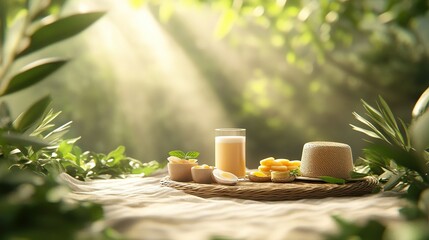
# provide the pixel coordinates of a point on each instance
(230, 150)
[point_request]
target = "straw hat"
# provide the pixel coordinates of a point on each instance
(326, 159)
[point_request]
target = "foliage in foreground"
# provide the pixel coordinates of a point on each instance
(397, 154)
(36, 207)
(32, 204)
(394, 153)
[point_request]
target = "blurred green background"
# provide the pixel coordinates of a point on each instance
(156, 76)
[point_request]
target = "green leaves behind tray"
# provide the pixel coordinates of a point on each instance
(333, 180)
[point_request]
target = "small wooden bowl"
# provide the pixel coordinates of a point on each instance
(202, 175)
(180, 172)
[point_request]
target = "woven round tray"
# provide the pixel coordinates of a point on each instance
(269, 191)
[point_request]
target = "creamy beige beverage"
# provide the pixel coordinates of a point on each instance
(230, 154)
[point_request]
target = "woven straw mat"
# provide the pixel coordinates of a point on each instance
(269, 191)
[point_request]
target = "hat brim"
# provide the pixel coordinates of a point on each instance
(321, 180)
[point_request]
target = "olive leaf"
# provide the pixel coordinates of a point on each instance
(20, 140)
(407, 159)
(60, 30)
(32, 74)
(333, 180)
(383, 124)
(32, 115)
(357, 175)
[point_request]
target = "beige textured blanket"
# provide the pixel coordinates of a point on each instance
(140, 208)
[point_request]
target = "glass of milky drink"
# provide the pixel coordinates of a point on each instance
(230, 150)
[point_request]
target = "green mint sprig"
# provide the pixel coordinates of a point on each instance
(295, 172)
(182, 155)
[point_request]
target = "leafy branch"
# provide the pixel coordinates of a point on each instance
(391, 154)
(398, 155)
(384, 125)
(52, 154)
(27, 33)
(33, 142)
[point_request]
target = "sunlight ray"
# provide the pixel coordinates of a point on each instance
(166, 101)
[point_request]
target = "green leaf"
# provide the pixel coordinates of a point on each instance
(77, 151)
(374, 166)
(387, 113)
(147, 168)
(116, 155)
(376, 161)
(64, 148)
(394, 179)
(20, 140)
(192, 154)
(295, 172)
(60, 30)
(59, 132)
(225, 23)
(415, 190)
(365, 131)
(54, 168)
(372, 230)
(383, 125)
(177, 153)
(401, 157)
(407, 134)
(382, 118)
(32, 115)
(32, 74)
(46, 123)
(357, 175)
(346, 228)
(371, 126)
(391, 122)
(71, 167)
(333, 180)
(371, 110)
